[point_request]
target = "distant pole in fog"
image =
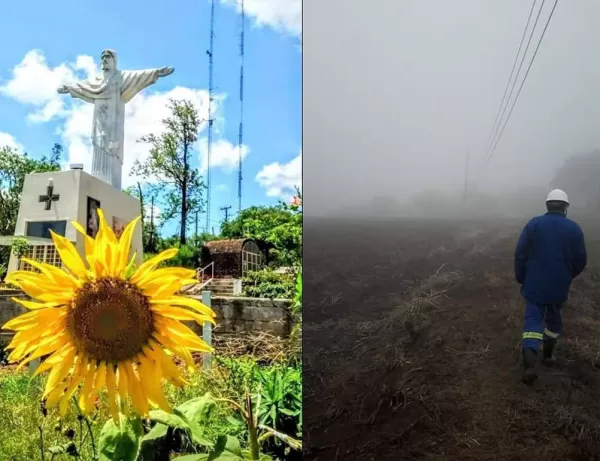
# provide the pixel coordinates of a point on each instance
(466, 175)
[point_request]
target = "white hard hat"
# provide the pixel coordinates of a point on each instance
(557, 195)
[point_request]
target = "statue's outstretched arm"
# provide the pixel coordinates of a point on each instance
(76, 92)
(164, 71)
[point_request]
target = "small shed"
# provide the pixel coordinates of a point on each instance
(232, 258)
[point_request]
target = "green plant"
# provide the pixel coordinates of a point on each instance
(258, 432)
(19, 246)
(279, 227)
(238, 374)
(281, 398)
(4, 353)
(295, 340)
(269, 284)
(297, 300)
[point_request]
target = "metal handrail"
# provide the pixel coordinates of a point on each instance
(202, 274)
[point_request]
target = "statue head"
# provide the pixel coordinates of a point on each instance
(108, 61)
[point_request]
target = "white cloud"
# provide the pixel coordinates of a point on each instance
(34, 82)
(222, 188)
(280, 180)
(8, 140)
(278, 14)
(223, 155)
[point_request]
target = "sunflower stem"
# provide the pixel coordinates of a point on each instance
(236, 405)
(42, 442)
(252, 429)
(80, 433)
(89, 427)
(84, 418)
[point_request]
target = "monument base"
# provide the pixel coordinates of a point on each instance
(50, 201)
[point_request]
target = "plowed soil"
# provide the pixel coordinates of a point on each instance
(412, 348)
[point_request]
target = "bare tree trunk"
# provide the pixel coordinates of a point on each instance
(184, 184)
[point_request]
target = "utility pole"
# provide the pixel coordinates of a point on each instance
(241, 126)
(152, 223)
(466, 175)
(210, 53)
(196, 223)
(226, 210)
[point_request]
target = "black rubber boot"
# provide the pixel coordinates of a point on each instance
(549, 348)
(529, 360)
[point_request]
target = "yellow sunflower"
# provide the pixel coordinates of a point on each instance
(106, 324)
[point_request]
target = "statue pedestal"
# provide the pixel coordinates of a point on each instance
(50, 201)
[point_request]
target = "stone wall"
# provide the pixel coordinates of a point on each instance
(246, 315)
(234, 315)
(8, 308)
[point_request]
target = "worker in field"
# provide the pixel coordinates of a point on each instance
(549, 255)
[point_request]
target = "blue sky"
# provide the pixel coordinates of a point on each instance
(59, 42)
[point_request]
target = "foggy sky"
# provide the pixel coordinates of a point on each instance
(395, 92)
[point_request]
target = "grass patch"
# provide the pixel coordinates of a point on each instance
(24, 423)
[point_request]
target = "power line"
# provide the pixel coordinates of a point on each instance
(502, 103)
(517, 75)
(522, 83)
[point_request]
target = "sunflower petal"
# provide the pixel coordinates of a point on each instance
(59, 372)
(158, 275)
(111, 388)
(186, 302)
(89, 241)
(156, 352)
(89, 246)
(179, 313)
(125, 246)
(147, 371)
(33, 305)
(65, 356)
(69, 256)
(150, 264)
(108, 234)
(85, 396)
(138, 399)
(55, 274)
(122, 385)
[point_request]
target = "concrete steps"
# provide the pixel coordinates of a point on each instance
(223, 287)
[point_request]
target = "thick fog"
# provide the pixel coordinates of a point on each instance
(396, 92)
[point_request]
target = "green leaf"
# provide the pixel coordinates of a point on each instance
(198, 409)
(131, 267)
(195, 412)
(235, 421)
(202, 457)
(168, 419)
(227, 448)
(57, 450)
(122, 442)
(158, 431)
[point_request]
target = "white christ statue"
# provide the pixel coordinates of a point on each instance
(109, 93)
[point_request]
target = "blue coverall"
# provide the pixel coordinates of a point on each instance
(549, 255)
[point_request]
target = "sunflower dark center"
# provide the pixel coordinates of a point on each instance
(110, 320)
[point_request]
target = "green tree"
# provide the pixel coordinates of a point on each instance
(168, 165)
(13, 168)
(279, 227)
(150, 234)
